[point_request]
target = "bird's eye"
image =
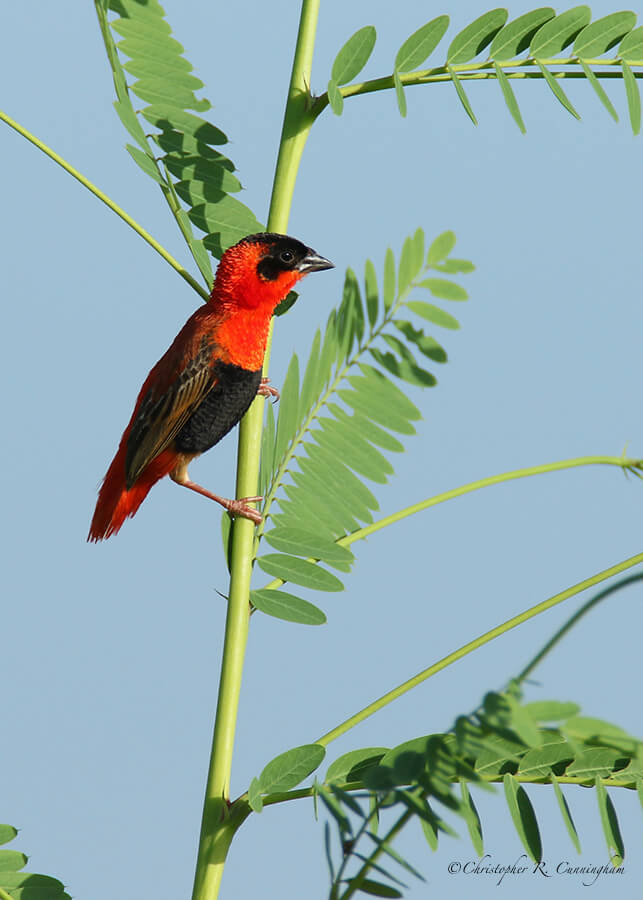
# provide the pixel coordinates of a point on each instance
(286, 256)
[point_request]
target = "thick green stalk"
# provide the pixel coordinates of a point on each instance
(107, 201)
(218, 827)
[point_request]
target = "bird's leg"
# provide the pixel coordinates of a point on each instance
(239, 507)
(265, 390)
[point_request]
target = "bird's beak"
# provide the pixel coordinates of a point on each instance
(313, 262)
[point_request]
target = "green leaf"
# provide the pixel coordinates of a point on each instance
(441, 247)
(307, 543)
(385, 388)
(144, 161)
(288, 409)
(299, 571)
(472, 40)
(349, 495)
(417, 247)
(289, 769)
(287, 303)
(171, 118)
(551, 710)
(474, 825)
(609, 821)
(368, 430)
(455, 266)
(371, 292)
(462, 97)
(631, 47)
(566, 814)
(556, 34)
(225, 222)
(339, 509)
(406, 267)
(425, 344)
(430, 832)
(433, 314)
(315, 503)
(421, 44)
(25, 886)
(11, 861)
(598, 89)
(524, 818)
(594, 762)
(286, 606)
(267, 450)
(254, 796)
(131, 122)
(633, 98)
(335, 98)
(377, 408)
(445, 289)
(598, 37)
(311, 385)
(515, 37)
(353, 451)
(354, 55)
(142, 28)
(509, 98)
(399, 93)
(374, 888)
(557, 90)
(389, 279)
(349, 766)
(403, 368)
(7, 833)
(538, 762)
(589, 728)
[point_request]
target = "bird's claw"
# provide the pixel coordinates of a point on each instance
(240, 508)
(266, 390)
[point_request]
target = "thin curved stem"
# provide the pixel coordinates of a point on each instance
(573, 620)
(627, 465)
(107, 201)
(485, 638)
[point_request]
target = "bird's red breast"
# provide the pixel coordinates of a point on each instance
(209, 358)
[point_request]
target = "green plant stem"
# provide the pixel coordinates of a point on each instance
(216, 831)
(624, 463)
(491, 635)
(107, 201)
(573, 620)
(475, 71)
(357, 880)
(358, 788)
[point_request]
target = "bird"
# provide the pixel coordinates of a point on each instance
(205, 382)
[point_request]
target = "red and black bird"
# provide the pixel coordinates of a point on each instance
(203, 385)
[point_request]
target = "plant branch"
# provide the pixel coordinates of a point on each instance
(573, 620)
(107, 201)
(476, 71)
(491, 635)
(215, 836)
(634, 466)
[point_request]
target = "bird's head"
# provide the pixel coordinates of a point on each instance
(261, 269)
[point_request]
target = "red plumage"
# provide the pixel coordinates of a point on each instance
(206, 380)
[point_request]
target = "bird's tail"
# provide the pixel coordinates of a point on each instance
(116, 502)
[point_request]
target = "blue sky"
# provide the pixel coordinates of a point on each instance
(111, 652)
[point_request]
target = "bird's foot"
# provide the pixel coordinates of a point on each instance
(266, 390)
(240, 508)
